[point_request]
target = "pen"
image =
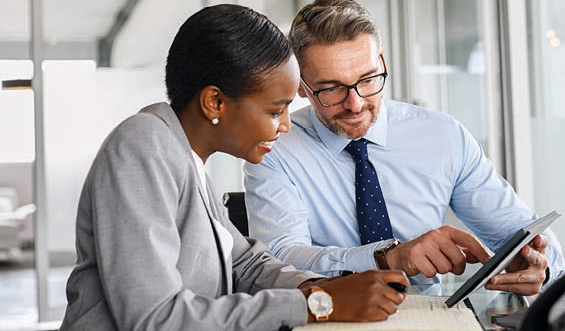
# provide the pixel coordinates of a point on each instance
(344, 273)
(397, 286)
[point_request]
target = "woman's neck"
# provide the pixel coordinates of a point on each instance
(197, 130)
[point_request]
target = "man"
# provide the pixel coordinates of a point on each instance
(313, 201)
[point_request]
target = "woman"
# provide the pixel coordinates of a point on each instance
(155, 248)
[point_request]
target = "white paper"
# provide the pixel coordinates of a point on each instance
(416, 313)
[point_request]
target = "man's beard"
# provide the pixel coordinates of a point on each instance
(350, 132)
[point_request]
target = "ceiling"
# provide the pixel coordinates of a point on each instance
(72, 29)
(64, 20)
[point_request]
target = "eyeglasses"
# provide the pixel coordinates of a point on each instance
(366, 87)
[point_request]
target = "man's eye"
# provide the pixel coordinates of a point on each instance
(333, 89)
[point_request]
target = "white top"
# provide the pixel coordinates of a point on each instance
(226, 238)
(201, 170)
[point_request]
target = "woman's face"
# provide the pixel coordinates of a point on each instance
(254, 122)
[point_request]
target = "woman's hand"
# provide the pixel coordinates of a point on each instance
(363, 297)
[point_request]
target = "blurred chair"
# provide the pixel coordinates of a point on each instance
(11, 223)
(235, 201)
(547, 313)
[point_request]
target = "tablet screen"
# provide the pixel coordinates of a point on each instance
(502, 258)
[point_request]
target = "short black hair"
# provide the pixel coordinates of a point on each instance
(228, 46)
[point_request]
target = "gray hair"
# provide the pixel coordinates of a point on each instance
(326, 22)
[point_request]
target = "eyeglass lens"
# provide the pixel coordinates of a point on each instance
(364, 88)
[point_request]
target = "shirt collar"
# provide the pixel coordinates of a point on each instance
(335, 143)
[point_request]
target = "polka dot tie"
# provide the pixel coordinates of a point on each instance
(372, 216)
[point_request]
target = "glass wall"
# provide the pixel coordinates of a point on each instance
(449, 58)
(547, 117)
(17, 277)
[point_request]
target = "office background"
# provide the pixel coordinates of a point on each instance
(497, 66)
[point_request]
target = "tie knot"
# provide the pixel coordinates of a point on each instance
(358, 149)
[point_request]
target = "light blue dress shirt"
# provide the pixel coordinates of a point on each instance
(301, 198)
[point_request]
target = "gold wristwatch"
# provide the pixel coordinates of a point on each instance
(320, 304)
(379, 253)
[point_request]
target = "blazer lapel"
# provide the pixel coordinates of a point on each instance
(226, 285)
(167, 114)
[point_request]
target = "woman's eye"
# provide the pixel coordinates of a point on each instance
(277, 113)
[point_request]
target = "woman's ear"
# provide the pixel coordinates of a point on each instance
(211, 102)
(301, 92)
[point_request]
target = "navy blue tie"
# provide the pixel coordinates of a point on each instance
(372, 216)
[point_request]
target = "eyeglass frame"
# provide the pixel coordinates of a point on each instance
(349, 87)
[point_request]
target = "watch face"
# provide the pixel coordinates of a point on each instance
(320, 303)
(385, 245)
(388, 242)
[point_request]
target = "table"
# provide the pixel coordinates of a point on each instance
(485, 303)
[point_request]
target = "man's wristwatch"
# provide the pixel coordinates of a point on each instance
(320, 304)
(379, 253)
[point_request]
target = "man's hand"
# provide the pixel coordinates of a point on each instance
(443, 250)
(526, 273)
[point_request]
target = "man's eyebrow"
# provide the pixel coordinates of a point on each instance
(338, 82)
(330, 81)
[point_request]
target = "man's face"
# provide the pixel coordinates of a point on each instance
(343, 63)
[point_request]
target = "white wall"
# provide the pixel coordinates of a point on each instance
(82, 105)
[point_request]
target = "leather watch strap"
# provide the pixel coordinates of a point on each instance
(380, 254)
(381, 261)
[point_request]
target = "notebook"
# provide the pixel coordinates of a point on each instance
(417, 312)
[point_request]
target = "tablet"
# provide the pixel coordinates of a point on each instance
(502, 258)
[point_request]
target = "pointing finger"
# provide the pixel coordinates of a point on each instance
(469, 241)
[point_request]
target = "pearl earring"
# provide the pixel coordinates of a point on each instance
(215, 121)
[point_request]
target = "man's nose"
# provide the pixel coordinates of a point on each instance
(354, 102)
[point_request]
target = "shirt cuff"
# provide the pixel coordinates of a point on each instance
(362, 258)
(547, 276)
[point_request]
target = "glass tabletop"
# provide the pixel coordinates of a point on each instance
(486, 304)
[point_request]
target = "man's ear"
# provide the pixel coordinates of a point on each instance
(211, 102)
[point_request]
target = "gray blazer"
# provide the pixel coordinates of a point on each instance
(149, 257)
